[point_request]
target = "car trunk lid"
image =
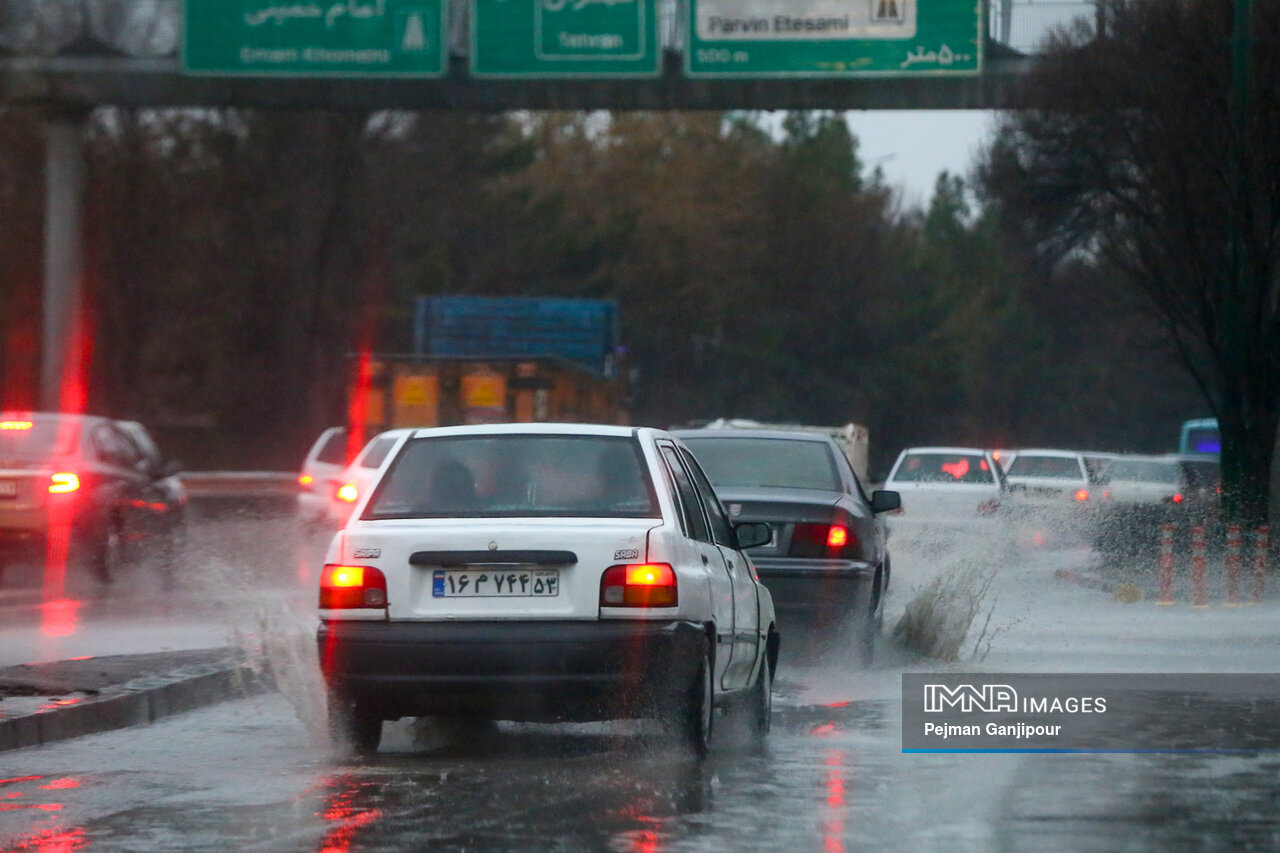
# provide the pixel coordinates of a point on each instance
(496, 568)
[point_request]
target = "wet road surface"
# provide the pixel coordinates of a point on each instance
(255, 774)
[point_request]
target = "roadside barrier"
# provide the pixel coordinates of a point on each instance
(1166, 564)
(1233, 565)
(1199, 597)
(1261, 548)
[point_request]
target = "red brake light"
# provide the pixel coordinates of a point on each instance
(818, 541)
(345, 587)
(348, 492)
(650, 574)
(1177, 499)
(15, 425)
(639, 585)
(1082, 494)
(63, 482)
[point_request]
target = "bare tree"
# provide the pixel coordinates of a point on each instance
(1156, 153)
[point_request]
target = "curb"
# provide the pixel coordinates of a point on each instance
(138, 701)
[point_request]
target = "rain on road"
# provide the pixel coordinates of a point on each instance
(254, 774)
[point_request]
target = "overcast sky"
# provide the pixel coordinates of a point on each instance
(914, 146)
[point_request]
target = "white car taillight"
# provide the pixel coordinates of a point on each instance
(347, 587)
(639, 585)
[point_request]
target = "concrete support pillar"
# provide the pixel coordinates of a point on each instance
(63, 247)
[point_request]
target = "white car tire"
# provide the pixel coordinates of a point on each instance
(693, 716)
(355, 727)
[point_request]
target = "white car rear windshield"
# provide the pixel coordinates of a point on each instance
(1125, 470)
(944, 468)
(516, 476)
(1049, 467)
(765, 463)
(32, 439)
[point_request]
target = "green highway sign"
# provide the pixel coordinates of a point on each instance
(347, 38)
(564, 38)
(833, 38)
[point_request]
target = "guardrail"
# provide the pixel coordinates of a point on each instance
(223, 494)
(233, 483)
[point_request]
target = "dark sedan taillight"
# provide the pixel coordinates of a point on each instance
(63, 482)
(817, 541)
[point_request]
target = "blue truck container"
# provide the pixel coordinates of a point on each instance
(583, 332)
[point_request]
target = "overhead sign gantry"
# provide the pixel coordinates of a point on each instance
(351, 38)
(565, 38)
(833, 38)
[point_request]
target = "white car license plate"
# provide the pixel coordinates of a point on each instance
(8, 488)
(495, 583)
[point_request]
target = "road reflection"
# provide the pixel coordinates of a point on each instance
(20, 793)
(834, 814)
(343, 807)
(59, 616)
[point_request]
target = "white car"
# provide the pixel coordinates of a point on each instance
(946, 485)
(1049, 478)
(543, 572)
(320, 477)
(357, 477)
(1144, 481)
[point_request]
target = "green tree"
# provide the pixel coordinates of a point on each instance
(1141, 160)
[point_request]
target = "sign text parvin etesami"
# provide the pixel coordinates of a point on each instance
(833, 38)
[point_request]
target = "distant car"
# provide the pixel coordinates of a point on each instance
(1048, 479)
(321, 476)
(827, 560)
(1095, 463)
(947, 485)
(1004, 457)
(1141, 493)
(81, 487)
(1202, 476)
(1143, 480)
(165, 471)
(356, 478)
(543, 572)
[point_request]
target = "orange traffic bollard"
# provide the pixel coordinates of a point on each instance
(1199, 597)
(1261, 547)
(1166, 564)
(1233, 565)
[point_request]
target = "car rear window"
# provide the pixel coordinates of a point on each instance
(1142, 471)
(516, 475)
(944, 468)
(26, 438)
(334, 451)
(765, 462)
(1202, 475)
(1049, 467)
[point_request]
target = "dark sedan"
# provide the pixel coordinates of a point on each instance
(827, 562)
(85, 489)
